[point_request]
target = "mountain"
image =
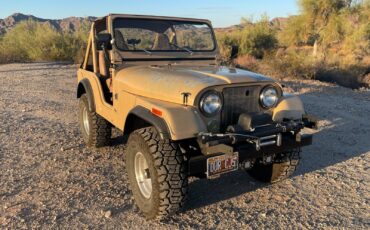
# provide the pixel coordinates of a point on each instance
(70, 24)
(277, 23)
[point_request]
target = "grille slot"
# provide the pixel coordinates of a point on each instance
(239, 100)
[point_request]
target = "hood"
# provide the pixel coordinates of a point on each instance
(168, 83)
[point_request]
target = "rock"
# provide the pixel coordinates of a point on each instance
(92, 158)
(108, 214)
(263, 215)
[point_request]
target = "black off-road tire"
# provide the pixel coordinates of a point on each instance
(283, 166)
(167, 169)
(100, 130)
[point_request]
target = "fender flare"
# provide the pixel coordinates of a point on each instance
(84, 86)
(159, 123)
(290, 107)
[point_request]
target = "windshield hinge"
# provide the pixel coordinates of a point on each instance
(185, 97)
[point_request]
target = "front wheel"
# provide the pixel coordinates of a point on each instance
(282, 167)
(95, 130)
(157, 173)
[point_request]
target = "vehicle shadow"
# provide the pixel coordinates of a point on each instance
(204, 192)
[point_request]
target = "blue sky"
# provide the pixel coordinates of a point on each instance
(221, 13)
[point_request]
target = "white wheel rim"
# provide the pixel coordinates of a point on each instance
(142, 175)
(85, 120)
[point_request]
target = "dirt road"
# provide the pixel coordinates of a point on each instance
(49, 179)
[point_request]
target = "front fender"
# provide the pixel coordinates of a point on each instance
(183, 122)
(290, 107)
(84, 86)
(154, 120)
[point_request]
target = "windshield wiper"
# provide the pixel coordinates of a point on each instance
(144, 50)
(182, 48)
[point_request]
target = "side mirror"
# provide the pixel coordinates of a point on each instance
(104, 41)
(234, 52)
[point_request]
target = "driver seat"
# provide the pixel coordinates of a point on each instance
(104, 70)
(120, 40)
(161, 42)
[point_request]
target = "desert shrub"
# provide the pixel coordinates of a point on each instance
(294, 34)
(294, 64)
(258, 38)
(352, 77)
(254, 39)
(32, 41)
(247, 62)
(225, 41)
(366, 79)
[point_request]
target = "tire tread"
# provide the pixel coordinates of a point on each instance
(100, 129)
(171, 171)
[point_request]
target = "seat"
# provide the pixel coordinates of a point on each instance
(103, 65)
(104, 70)
(120, 40)
(161, 42)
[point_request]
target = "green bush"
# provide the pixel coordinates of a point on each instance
(294, 64)
(258, 38)
(254, 39)
(32, 41)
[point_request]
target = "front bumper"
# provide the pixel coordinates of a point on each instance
(264, 141)
(198, 164)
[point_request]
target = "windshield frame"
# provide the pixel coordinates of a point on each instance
(178, 20)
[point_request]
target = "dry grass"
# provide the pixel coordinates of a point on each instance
(247, 62)
(300, 63)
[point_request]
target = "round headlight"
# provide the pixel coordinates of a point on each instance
(269, 97)
(211, 103)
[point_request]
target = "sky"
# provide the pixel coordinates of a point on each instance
(221, 13)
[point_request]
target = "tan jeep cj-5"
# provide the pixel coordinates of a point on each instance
(157, 80)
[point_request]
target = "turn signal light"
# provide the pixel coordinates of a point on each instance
(157, 112)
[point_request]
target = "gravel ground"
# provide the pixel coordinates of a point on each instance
(48, 179)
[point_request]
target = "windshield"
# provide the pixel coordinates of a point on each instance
(150, 35)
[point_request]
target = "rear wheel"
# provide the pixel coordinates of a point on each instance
(95, 130)
(157, 173)
(283, 166)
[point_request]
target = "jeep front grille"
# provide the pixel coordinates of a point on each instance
(238, 100)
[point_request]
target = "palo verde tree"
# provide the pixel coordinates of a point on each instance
(321, 23)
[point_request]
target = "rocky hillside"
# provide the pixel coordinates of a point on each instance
(67, 24)
(278, 23)
(73, 23)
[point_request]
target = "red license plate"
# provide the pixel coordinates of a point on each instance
(222, 164)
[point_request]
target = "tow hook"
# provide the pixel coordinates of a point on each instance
(257, 144)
